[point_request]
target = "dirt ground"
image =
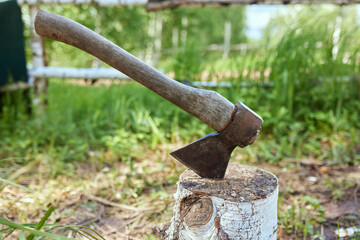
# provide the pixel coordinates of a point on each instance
(102, 199)
(337, 188)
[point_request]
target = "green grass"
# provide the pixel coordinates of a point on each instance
(310, 110)
(123, 118)
(305, 213)
(311, 107)
(34, 230)
(82, 119)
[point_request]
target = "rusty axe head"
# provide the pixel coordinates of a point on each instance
(209, 156)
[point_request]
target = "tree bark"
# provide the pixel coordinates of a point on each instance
(243, 205)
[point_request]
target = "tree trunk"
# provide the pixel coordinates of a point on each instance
(243, 205)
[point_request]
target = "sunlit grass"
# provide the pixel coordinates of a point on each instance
(111, 143)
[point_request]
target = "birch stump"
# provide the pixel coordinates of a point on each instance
(243, 205)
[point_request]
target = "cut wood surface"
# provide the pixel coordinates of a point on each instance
(243, 205)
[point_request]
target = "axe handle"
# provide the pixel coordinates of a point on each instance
(208, 106)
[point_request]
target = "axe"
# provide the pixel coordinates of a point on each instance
(235, 125)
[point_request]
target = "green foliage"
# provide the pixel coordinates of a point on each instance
(307, 93)
(187, 63)
(310, 101)
(305, 63)
(129, 26)
(125, 26)
(82, 231)
(203, 30)
(29, 230)
(33, 230)
(59, 54)
(41, 223)
(338, 186)
(82, 119)
(305, 213)
(307, 80)
(14, 102)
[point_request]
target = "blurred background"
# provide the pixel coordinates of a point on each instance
(95, 147)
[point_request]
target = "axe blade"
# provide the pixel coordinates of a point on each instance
(207, 156)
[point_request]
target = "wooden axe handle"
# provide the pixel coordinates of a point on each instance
(208, 106)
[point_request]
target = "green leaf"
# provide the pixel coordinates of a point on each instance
(92, 231)
(42, 221)
(33, 231)
(7, 235)
(78, 232)
(313, 201)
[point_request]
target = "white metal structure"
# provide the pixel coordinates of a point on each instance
(85, 73)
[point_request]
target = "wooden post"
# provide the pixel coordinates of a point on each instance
(336, 34)
(227, 38)
(157, 40)
(96, 13)
(96, 63)
(149, 55)
(175, 39)
(184, 25)
(243, 205)
(37, 47)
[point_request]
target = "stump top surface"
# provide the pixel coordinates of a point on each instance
(241, 183)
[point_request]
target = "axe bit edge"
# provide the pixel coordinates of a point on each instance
(210, 155)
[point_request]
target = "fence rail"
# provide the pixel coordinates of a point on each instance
(84, 73)
(79, 2)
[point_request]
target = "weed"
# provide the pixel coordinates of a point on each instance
(301, 217)
(307, 94)
(338, 186)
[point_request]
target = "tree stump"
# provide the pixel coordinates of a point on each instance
(243, 205)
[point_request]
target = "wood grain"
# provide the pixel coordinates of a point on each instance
(208, 106)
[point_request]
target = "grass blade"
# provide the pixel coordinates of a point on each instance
(90, 230)
(33, 231)
(5, 181)
(42, 221)
(78, 232)
(13, 229)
